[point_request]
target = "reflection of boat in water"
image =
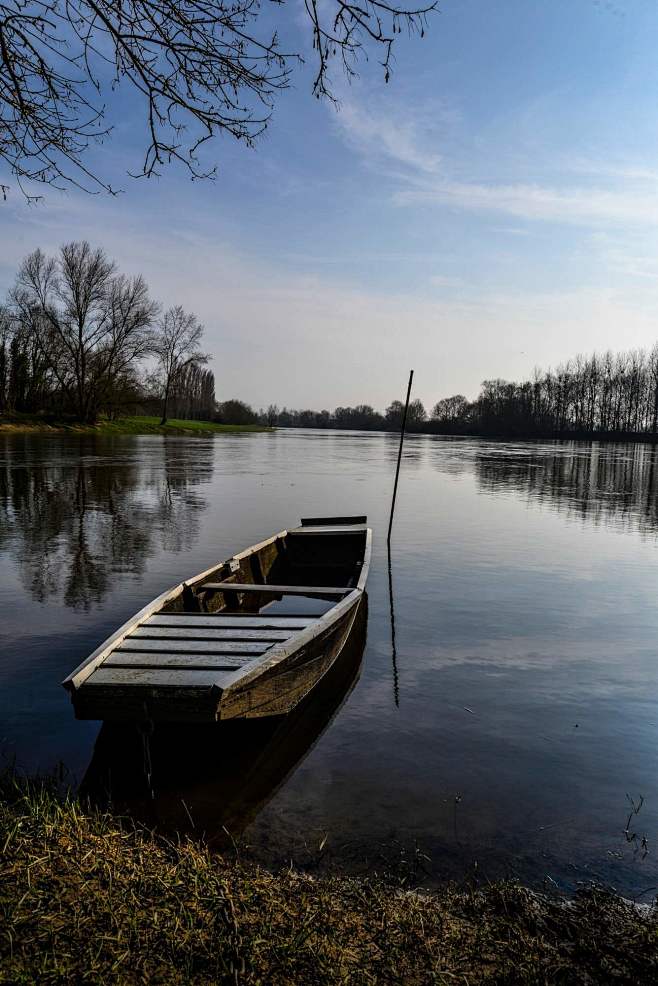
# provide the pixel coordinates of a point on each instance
(210, 779)
(220, 646)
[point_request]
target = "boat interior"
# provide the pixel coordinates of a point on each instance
(206, 633)
(322, 559)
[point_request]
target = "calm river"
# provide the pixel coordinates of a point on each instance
(506, 731)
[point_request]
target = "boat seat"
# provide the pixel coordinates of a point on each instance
(324, 530)
(277, 590)
(360, 520)
(185, 678)
(221, 620)
(149, 631)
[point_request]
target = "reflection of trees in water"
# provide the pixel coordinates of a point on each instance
(602, 484)
(73, 527)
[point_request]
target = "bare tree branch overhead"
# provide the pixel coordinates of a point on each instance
(198, 68)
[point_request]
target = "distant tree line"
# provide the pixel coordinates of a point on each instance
(363, 417)
(80, 339)
(603, 394)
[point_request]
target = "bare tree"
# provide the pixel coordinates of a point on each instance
(88, 323)
(450, 408)
(5, 332)
(176, 347)
(198, 67)
(605, 393)
(193, 393)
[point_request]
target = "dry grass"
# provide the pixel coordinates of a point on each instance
(87, 899)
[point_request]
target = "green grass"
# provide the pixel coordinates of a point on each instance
(137, 425)
(85, 898)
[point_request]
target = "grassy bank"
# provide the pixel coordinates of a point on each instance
(137, 425)
(86, 899)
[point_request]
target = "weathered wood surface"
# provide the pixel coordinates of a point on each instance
(324, 521)
(282, 684)
(194, 646)
(77, 677)
(128, 659)
(158, 677)
(207, 633)
(264, 621)
(173, 661)
(126, 703)
(338, 529)
(278, 590)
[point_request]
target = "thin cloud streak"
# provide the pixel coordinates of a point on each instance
(400, 149)
(536, 202)
(402, 134)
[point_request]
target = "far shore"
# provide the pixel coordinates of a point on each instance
(18, 424)
(138, 425)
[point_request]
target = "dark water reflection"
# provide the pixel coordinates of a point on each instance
(72, 524)
(584, 481)
(520, 711)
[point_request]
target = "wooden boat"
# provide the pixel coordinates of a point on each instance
(223, 645)
(210, 780)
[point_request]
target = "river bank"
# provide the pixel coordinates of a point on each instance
(137, 425)
(86, 898)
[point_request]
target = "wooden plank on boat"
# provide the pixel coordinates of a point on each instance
(136, 644)
(264, 621)
(208, 633)
(274, 684)
(278, 590)
(332, 521)
(337, 529)
(156, 678)
(169, 664)
(128, 659)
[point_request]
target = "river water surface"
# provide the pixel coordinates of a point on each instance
(510, 726)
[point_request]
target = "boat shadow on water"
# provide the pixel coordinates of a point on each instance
(210, 780)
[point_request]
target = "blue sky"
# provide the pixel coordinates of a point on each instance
(494, 207)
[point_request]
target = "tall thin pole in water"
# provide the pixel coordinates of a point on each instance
(394, 653)
(397, 471)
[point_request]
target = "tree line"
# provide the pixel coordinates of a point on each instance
(603, 394)
(80, 339)
(363, 417)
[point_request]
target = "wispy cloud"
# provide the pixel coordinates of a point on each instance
(402, 135)
(571, 204)
(405, 149)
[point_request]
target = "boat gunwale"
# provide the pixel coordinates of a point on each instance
(80, 674)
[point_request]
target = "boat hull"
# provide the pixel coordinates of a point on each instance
(221, 646)
(278, 690)
(274, 692)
